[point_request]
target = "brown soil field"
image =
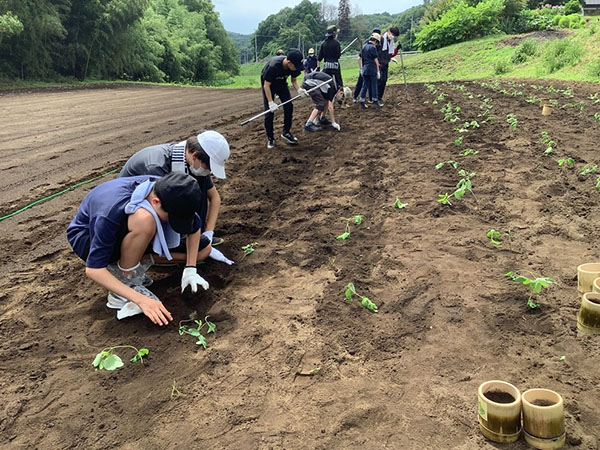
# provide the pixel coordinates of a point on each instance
(292, 364)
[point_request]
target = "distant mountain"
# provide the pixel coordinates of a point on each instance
(240, 41)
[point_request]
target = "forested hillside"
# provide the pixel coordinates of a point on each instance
(151, 40)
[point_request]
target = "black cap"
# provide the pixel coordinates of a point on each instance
(295, 57)
(180, 196)
(376, 30)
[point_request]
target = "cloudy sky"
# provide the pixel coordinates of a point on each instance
(243, 16)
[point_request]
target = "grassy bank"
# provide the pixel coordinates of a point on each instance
(493, 57)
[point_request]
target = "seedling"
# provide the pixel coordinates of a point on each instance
(566, 161)
(469, 151)
(108, 360)
(197, 331)
(588, 169)
(494, 237)
(364, 301)
(549, 143)
(464, 184)
(249, 249)
(598, 183)
(535, 285)
(398, 204)
(512, 121)
(444, 199)
(357, 220)
(597, 117)
(176, 393)
(450, 162)
(459, 140)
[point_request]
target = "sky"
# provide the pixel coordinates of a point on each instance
(243, 16)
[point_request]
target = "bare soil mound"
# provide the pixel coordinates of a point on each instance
(292, 364)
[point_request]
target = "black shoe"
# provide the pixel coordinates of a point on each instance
(380, 103)
(376, 105)
(271, 143)
(290, 138)
(362, 105)
(310, 126)
(216, 241)
(325, 121)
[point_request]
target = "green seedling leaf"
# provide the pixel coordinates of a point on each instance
(494, 237)
(201, 341)
(365, 302)
(438, 166)
(598, 183)
(469, 151)
(398, 204)
(357, 220)
(458, 141)
(140, 355)
(211, 326)
(193, 332)
(566, 161)
(444, 199)
(183, 329)
(343, 236)
(589, 169)
(111, 362)
(562, 358)
(99, 357)
(249, 248)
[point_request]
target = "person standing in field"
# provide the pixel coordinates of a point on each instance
(273, 80)
(359, 83)
(370, 70)
(125, 225)
(330, 52)
(310, 63)
(199, 156)
(388, 52)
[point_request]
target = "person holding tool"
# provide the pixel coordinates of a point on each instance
(322, 99)
(330, 51)
(124, 225)
(387, 54)
(359, 82)
(370, 70)
(199, 156)
(273, 81)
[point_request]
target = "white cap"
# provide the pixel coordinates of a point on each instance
(217, 148)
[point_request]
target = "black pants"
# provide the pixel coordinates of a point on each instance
(383, 69)
(337, 76)
(282, 90)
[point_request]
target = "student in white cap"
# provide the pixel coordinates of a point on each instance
(198, 156)
(310, 63)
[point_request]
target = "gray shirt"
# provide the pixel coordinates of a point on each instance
(156, 160)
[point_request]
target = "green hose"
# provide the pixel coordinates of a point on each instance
(56, 194)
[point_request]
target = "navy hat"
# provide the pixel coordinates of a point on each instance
(180, 196)
(295, 57)
(376, 30)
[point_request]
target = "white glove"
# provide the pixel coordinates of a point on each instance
(379, 75)
(273, 107)
(218, 256)
(302, 92)
(336, 125)
(191, 278)
(394, 59)
(209, 234)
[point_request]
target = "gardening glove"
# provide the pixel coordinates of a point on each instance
(209, 234)
(191, 278)
(336, 125)
(379, 75)
(302, 92)
(273, 107)
(219, 256)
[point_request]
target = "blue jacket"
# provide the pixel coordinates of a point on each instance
(310, 63)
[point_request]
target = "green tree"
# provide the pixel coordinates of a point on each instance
(344, 19)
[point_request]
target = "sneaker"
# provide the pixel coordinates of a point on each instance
(354, 100)
(147, 281)
(271, 143)
(362, 105)
(290, 138)
(380, 103)
(310, 126)
(376, 105)
(325, 121)
(217, 241)
(115, 301)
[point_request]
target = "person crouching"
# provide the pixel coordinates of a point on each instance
(322, 98)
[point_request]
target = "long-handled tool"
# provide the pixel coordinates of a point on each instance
(404, 75)
(284, 103)
(348, 46)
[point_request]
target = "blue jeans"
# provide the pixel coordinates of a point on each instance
(369, 82)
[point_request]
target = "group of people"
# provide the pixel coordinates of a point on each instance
(163, 207)
(327, 85)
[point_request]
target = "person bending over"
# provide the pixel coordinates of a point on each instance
(322, 98)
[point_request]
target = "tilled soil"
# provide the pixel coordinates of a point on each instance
(292, 364)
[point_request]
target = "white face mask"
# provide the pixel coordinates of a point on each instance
(201, 172)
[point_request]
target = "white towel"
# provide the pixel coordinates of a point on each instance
(388, 45)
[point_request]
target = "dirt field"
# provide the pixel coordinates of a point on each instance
(292, 364)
